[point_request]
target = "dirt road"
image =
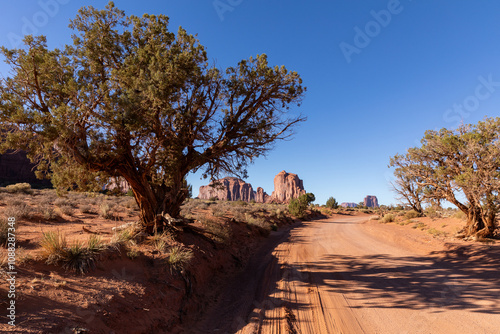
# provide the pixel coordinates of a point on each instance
(338, 276)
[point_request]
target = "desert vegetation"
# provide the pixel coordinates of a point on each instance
(137, 122)
(460, 166)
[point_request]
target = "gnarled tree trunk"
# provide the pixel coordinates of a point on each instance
(479, 225)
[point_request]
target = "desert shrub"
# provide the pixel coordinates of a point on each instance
(239, 203)
(388, 218)
(332, 203)
(297, 207)
(48, 212)
(19, 211)
(436, 232)
(419, 225)
(4, 231)
(374, 217)
(78, 258)
(179, 258)
(106, 211)
(86, 209)
(67, 210)
(62, 202)
(218, 211)
(412, 214)
(24, 188)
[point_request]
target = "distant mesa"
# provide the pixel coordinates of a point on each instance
(371, 201)
(228, 188)
(286, 187)
(348, 205)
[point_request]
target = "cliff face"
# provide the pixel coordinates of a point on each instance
(261, 196)
(229, 189)
(286, 187)
(16, 168)
(348, 205)
(371, 201)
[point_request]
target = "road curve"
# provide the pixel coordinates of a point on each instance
(333, 276)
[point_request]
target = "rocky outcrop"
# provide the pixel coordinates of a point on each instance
(228, 188)
(348, 205)
(261, 196)
(371, 202)
(286, 187)
(16, 168)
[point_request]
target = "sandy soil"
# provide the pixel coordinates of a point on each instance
(350, 275)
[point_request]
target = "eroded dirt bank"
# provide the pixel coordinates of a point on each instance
(342, 275)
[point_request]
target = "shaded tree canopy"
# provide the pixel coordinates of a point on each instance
(129, 98)
(461, 166)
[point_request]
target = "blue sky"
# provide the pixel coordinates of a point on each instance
(378, 73)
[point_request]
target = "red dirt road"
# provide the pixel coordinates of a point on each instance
(339, 275)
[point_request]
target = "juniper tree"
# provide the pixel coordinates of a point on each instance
(461, 166)
(128, 98)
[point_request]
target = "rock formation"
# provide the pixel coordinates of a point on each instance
(261, 196)
(16, 168)
(348, 205)
(286, 187)
(228, 188)
(371, 201)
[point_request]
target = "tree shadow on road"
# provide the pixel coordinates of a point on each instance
(462, 278)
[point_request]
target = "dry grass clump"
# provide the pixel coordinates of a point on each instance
(86, 209)
(47, 212)
(62, 202)
(67, 210)
(179, 258)
(412, 214)
(76, 257)
(106, 211)
(388, 218)
(436, 232)
(419, 225)
(4, 231)
(19, 210)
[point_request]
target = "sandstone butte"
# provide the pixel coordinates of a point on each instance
(286, 187)
(371, 202)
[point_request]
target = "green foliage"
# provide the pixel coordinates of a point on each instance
(332, 203)
(310, 198)
(462, 161)
(297, 206)
(124, 82)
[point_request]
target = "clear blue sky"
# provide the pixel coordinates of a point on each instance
(378, 73)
